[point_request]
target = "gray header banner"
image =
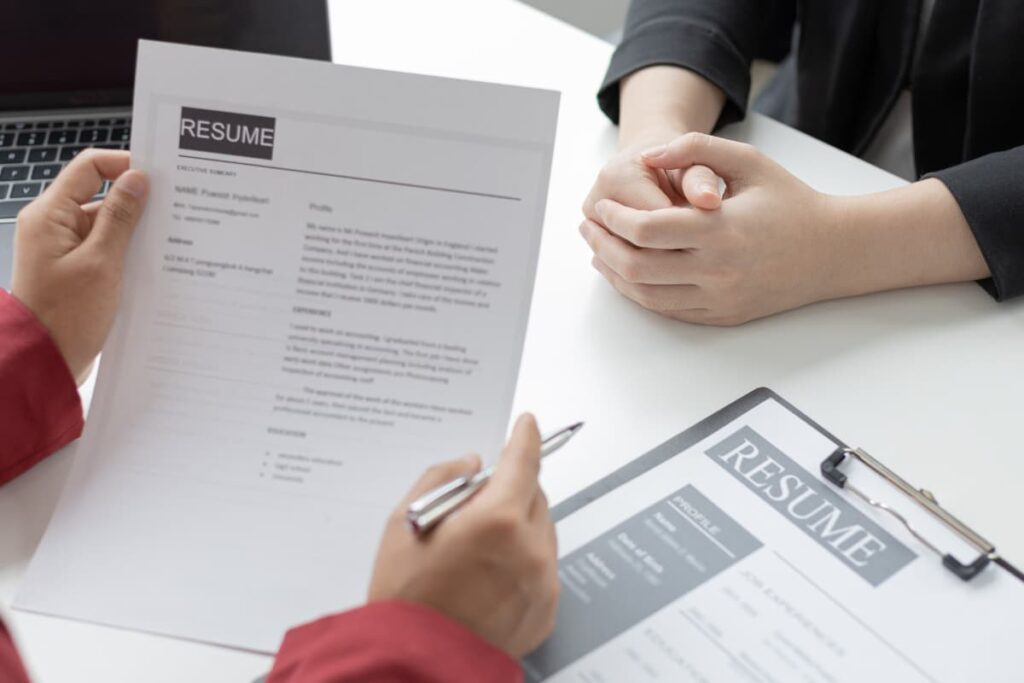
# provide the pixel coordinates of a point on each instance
(224, 132)
(810, 503)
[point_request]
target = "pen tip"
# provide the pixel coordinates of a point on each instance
(576, 427)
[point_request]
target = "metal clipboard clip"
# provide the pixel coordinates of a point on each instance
(987, 552)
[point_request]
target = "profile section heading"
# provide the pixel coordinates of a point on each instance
(223, 132)
(809, 503)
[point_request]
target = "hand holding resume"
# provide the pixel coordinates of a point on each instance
(330, 287)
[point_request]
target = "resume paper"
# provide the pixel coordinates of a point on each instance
(723, 555)
(329, 291)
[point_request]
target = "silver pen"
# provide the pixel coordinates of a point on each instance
(430, 508)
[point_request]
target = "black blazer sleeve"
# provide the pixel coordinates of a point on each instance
(990, 191)
(717, 39)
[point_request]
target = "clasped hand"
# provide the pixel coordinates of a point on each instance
(663, 237)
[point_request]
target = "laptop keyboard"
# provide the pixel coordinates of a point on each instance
(32, 153)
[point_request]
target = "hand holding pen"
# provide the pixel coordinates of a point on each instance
(433, 506)
(494, 566)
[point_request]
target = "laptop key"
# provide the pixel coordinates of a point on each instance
(4, 187)
(120, 134)
(10, 209)
(6, 139)
(62, 137)
(45, 171)
(14, 173)
(42, 124)
(74, 124)
(69, 153)
(12, 156)
(42, 154)
(24, 190)
(31, 138)
(91, 135)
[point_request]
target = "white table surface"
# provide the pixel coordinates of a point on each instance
(925, 379)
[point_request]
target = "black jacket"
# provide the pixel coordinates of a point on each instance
(845, 63)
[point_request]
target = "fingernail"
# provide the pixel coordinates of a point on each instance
(601, 207)
(132, 182)
(526, 420)
(709, 188)
(654, 152)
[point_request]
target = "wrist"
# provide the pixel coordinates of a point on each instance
(661, 102)
(848, 259)
(908, 237)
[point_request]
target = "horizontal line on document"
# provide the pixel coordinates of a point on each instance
(221, 378)
(210, 329)
(356, 178)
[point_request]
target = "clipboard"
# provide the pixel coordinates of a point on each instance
(831, 471)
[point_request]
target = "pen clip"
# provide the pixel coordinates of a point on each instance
(437, 495)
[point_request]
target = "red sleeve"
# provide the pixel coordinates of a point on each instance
(390, 641)
(11, 670)
(40, 410)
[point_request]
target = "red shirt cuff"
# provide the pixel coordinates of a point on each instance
(40, 409)
(390, 641)
(11, 669)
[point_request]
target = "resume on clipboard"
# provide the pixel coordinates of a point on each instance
(723, 555)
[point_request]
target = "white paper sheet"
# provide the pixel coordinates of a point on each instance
(328, 291)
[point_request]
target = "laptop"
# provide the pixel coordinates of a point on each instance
(70, 66)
